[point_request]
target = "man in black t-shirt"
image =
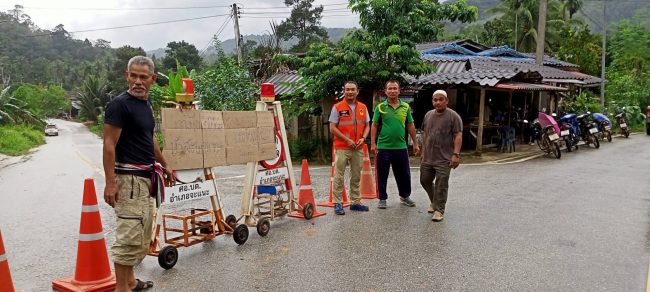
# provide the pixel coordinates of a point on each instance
(130, 154)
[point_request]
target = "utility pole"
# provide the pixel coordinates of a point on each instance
(604, 54)
(541, 33)
(238, 38)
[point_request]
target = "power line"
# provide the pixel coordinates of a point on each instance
(289, 7)
(136, 25)
(216, 35)
(125, 8)
(285, 12)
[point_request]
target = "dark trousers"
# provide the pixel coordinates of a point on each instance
(435, 181)
(399, 160)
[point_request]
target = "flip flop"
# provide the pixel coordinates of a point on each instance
(142, 285)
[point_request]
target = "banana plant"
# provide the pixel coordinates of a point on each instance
(175, 84)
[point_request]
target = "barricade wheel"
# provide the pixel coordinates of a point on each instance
(308, 211)
(231, 220)
(240, 235)
(167, 257)
(263, 226)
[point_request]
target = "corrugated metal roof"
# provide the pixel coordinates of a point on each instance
(522, 86)
(284, 82)
(451, 67)
(479, 76)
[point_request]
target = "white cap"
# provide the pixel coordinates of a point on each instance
(440, 92)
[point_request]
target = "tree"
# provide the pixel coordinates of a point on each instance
(582, 48)
(303, 23)
(629, 51)
(93, 97)
(523, 15)
(116, 81)
(384, 49)
(225, 85)
(13, 111)
(181, 52)
(571, 7)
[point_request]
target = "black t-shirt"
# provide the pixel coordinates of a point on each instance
(135, 118)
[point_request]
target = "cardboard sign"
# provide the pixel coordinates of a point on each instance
(200, 138)
(188, 192)
(239, 120)
(265, 119)
(180, 119)
(211, 120)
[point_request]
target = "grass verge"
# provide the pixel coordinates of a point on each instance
(17, 140)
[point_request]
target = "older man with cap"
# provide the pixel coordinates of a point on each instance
(442, 140)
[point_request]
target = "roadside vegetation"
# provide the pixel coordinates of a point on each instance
(17, 140)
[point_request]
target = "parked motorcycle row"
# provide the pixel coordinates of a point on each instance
(571, 129)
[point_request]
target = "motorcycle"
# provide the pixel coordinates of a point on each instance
(570, 131)
(620, 119)
(604, 126)
(588, 130)
(547, 129)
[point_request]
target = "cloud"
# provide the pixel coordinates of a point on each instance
(73, 14)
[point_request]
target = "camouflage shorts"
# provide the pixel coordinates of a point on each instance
(134, 210)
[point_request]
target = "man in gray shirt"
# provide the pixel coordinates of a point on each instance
(443, 129)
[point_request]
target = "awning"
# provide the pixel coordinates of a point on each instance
(565, 81)
(522, 86)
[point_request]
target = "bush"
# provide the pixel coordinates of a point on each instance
(17, 140)
(303, 148)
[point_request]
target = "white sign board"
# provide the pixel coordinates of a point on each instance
(272, 176)
(189, 192)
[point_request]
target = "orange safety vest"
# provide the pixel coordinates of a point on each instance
(348, 125)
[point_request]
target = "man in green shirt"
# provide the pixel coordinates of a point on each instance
(394, 117)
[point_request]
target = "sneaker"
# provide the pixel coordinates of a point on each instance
(338, 209)
(407, 201)
(382, 204)
(437, 216)
(359, 207)
(430, 209)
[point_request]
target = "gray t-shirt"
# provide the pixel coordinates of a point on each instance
(334, 114)
(439, 129)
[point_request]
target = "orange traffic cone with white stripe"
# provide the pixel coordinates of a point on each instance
(6, 285)
(93, 272)
(306, 196)
(368, 184)
(329, 202)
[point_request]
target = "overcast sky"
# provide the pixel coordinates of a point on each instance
(78, 15)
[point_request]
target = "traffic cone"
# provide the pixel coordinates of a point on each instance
(93, 272)
(368, 184)
(306, 193)
(329, 202)
(6, 285)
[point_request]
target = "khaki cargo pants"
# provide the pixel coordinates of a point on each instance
(341, 159)
(134, 210)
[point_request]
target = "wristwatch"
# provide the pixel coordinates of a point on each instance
(457, 154)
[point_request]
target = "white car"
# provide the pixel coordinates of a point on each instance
(51, 130)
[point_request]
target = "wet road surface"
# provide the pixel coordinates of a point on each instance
(576, 224)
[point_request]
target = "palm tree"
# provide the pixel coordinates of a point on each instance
(93, 97)
(524, 15)
(571, 6)
(12, 112)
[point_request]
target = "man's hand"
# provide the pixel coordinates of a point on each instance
(110, 194)
(170, 177)
(416, 149)
(351, 143)
(359, 143)
(455, 161)
(373, 148)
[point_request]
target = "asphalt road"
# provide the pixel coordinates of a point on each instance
(576, 224)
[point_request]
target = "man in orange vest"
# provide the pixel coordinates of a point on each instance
(349, 123)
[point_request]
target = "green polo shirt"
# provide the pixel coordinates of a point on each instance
(393, 124)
